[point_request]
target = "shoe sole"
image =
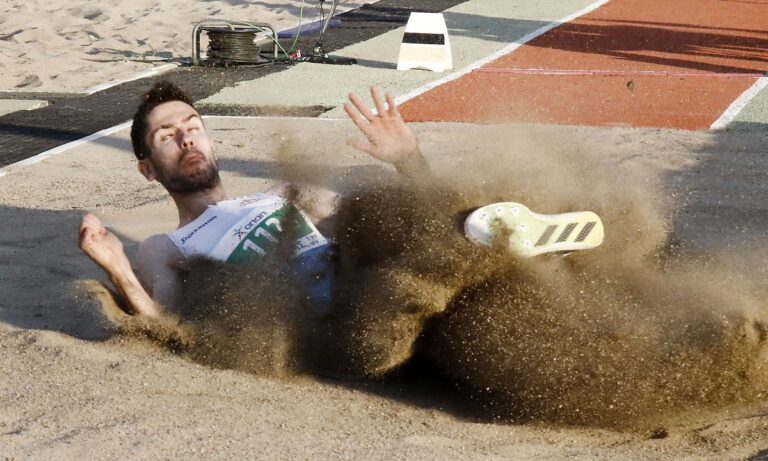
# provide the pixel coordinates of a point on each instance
(531, 234)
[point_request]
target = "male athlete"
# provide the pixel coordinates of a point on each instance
(172, 146)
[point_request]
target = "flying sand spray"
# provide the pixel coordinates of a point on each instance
(616, 336)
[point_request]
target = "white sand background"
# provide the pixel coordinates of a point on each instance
(67, 394)
(70, 46)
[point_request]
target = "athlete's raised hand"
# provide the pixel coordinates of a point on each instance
(388, 138)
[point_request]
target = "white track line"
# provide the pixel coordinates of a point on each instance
(103, 86)
(108, 131)
(739, 104)
(64, 147)
(270, 117)
(506, 50)
(612, 73)
(144, 74)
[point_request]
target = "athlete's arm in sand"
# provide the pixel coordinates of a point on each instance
(388, 137)
(106, 250)
(158, 266)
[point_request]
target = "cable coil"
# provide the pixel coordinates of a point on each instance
(233, 46)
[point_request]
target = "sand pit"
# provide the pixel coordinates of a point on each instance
(70, 393)
(71, 47)
(651, 347)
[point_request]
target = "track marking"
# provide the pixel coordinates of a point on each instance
(64, 147)
(271, 117)
(100, 87)
(739, 104)
(111, 130)
(140, 75)
(615, 73)
(504, 51)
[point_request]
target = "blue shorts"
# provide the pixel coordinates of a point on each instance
(314, 271)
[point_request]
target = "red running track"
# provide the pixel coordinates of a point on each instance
(650, 63)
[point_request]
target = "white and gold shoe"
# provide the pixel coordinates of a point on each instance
(530, 234)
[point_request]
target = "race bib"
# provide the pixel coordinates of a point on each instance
(259, 232)
(244, 229)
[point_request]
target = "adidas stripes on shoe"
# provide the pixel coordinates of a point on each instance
(527, 233)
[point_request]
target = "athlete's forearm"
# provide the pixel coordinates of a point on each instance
(137, 298)
(414, 167)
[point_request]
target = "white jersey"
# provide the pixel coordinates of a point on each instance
(245, 228)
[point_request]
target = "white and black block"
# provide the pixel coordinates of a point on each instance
(425, 44)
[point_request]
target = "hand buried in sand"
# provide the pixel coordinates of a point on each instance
(388, 137)
(101, 245)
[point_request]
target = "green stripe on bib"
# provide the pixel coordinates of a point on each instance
(263, 238)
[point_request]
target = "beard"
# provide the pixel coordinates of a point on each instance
(194, 178)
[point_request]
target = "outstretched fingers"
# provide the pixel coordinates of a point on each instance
(388, 137)
(362, 123)
(378, 101)
(361, 107)
(393, 111)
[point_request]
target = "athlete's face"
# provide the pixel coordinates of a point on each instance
(181, 154)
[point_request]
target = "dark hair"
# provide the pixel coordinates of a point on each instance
(163, 91)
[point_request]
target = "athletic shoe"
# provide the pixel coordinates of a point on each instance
(529, 234)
